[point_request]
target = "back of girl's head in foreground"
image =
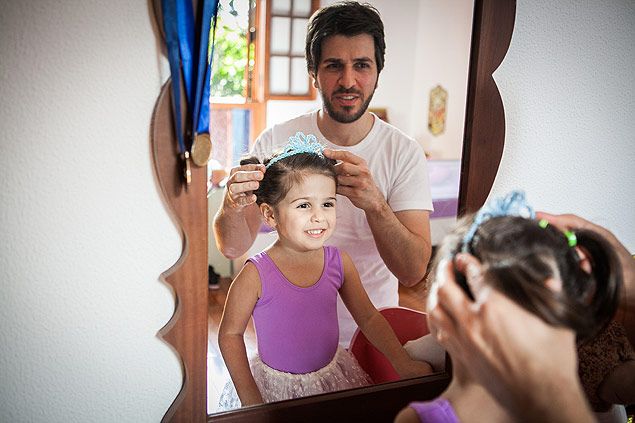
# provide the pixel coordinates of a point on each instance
(519, 255)
(284, 173)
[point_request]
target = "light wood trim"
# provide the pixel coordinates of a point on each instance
(186, 331)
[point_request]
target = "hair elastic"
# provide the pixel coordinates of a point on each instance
(571, 238)
(299, 143)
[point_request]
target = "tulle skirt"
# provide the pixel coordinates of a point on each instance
(343, 372)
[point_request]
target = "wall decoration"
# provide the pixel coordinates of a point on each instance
(436, 115)
(381, 113)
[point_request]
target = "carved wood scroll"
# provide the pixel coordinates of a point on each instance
(186, 331)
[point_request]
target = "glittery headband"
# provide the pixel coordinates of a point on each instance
(299, 143)
(513, 204)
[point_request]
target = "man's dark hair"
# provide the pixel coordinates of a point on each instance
(348, 18)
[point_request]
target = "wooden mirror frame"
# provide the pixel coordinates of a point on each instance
(187, 330)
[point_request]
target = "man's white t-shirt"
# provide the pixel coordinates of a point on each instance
(400, 171)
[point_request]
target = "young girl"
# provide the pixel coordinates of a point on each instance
(536, 266)
(291, 291)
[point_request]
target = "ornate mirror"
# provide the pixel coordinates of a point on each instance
(187, 332)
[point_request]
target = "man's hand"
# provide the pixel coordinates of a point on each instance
(243, 180)
(354, 180)
(237, 222)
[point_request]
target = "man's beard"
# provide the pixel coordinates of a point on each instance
(347, 116)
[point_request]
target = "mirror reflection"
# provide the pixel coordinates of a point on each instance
(421, 91)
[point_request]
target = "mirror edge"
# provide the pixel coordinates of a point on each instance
(186, 331)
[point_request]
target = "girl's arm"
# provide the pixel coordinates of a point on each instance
(241, 299)
(375, 326)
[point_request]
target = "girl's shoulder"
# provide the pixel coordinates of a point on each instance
(344, 256)
(347, 263)
(248, 279)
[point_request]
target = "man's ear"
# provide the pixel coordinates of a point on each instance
(313, 76)
(268, 214)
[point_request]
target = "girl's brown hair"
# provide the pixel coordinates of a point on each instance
(283, 174)
(518, 256)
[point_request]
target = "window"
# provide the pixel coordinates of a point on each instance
(257, 57)
(286, 76)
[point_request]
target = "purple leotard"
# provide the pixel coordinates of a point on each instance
(435, 411)
(296, 327)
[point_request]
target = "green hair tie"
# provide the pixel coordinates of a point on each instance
(573, 240)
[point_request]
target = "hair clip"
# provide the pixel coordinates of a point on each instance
(298, 144)
(513, 204)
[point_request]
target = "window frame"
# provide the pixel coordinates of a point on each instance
(268, 55)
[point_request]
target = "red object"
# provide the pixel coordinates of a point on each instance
(407, 324)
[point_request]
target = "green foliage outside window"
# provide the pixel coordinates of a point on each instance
(230, 57)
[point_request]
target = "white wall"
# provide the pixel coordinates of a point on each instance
(84, 232)
(444, 35)
(569, 95)
(427, 43)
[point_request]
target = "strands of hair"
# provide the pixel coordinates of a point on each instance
(519, 257)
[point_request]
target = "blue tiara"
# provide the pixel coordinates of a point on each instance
(513, 204)
(298, 144)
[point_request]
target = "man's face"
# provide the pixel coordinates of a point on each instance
(347, 76)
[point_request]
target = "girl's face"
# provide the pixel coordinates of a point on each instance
(305, 218)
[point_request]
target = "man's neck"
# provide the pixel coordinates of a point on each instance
(345, 134)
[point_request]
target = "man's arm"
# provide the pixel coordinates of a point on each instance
(403, 237)
(403, 241)
(238, 220)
